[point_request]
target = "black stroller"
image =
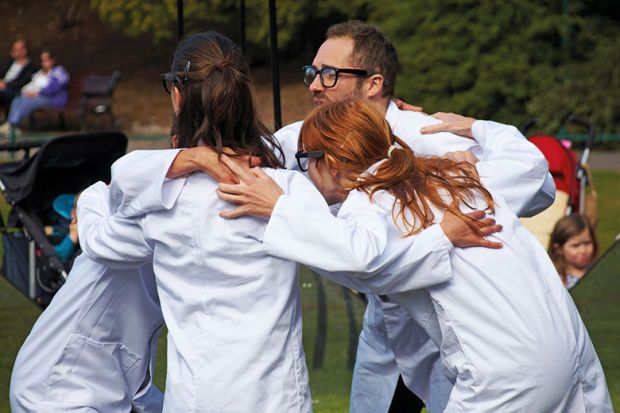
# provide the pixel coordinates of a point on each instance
(66, 164)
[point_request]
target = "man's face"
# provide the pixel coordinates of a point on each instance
(335, 52)
(18, 50)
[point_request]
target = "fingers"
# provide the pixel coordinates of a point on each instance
(485, 222)
(233, 198)
(477, 215)
(492, 229)
(485, 243)
(259, 173)
(232, 189)
(236, 169)
(427, 130)
(225, 175)
(235, 213)
(255, 161)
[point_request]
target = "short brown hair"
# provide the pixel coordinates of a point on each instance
(372, 50)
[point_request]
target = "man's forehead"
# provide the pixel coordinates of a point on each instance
(334, 52)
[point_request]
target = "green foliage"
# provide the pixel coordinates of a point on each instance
(592, 91)
(507, 61)
(301, 23)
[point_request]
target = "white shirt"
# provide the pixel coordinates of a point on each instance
(39, 81)
(13, 71)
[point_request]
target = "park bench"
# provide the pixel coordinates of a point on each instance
(88, 95)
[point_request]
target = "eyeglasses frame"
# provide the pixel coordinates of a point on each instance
(308, 155)
(171, 77)
(319, 72)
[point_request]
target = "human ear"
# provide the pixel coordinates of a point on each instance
(177, 99)
(331, 164)
(374, 86)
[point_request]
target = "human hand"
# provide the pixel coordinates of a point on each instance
(31, 94)
(2, 85)
(453, 123)
(461, 156)
(463, 236)
(256, 194)
(205, 159)
(402, 105)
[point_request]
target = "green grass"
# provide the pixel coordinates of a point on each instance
(330, 384)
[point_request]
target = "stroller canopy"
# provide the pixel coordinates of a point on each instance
(66, 164)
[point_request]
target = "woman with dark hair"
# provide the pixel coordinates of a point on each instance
(510, 337)
(572, 248)
(232, 310)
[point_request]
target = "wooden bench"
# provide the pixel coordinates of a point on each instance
(88, 95)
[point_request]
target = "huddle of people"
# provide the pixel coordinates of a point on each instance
(23, 89)
(465, 308)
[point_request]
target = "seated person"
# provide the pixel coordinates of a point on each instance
(64, 205)
(48, 88)
(573, 248)
(15, 72)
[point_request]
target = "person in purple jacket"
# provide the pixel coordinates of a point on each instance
(48, 88)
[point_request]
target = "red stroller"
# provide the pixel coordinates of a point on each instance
(571, 177)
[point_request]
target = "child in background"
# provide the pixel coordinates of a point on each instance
(572, 248)
(64, 205)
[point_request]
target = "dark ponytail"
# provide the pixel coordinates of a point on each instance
(217, 107)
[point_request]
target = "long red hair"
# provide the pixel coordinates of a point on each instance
(358, 136)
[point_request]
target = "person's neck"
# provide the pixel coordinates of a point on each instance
(381, 104)
(576, 271)
(22, 61)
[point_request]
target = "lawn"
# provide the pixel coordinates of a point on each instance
(330, 379)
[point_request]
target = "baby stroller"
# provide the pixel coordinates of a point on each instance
(571, 177)
(66, 164)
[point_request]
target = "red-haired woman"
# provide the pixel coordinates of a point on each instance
(510, 336)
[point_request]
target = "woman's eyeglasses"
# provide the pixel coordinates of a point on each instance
(170, 79)
(328, 74)
(300, 155)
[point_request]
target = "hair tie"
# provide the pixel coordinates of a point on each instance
(223, 64)
(389, 153)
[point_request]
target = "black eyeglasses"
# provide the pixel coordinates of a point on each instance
(303, 166)
(169, 79)
(329, 75)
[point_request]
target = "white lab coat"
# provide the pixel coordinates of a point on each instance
(232, 311)
(105, 321)
(511, 338)
(522, 178)
(93, 348)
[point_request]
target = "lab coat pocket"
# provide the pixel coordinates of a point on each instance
(93, 372)
(456, 367)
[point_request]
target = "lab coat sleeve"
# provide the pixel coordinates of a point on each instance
(513, 168)
(139, 184)
(351, 249)
(288, 137)
(115, 242)
(302, 229)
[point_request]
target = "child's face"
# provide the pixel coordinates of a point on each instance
(578, 250)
